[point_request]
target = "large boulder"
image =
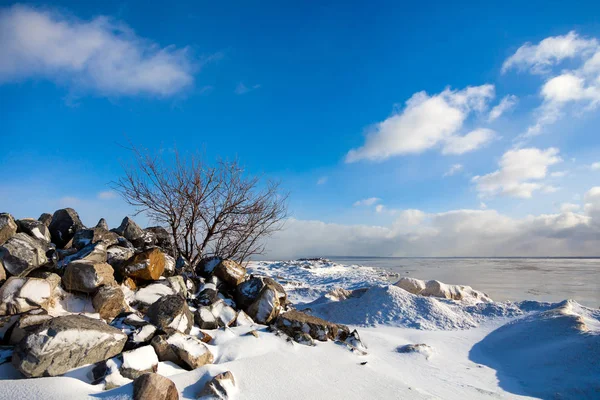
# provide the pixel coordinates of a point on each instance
(83, 237)
(95, 252)
(138, 362)
(171, 313)
(148, 265)
(8, 227)
(230, 272)
(118, 255)
(87, 276)
(131, 231)
(64, 343)
(34, 228)
(154, 387)
(262, 298)
(162, 238)
(64, 224)
(19, 295)
(109, 301)
(21, 254)
(27, 323)
(221, 386)
(294, 322)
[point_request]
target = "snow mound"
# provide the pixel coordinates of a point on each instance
(438, 289)
(548, 354)
(391, 305)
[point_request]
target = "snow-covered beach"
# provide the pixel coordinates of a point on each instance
(469, 348)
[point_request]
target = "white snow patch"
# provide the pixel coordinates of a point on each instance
(141, 359)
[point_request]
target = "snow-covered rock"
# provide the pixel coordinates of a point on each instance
(154, 387)
(34, 228)
(190, 351)
(438, 289)
(109, 301)
(230, 272)
(94, 252)
(221, 386)
(261, 298)
(420, 348)
(171, 313)
(21, 254)
(84, 237)
(139, 331)
(64, 343)
(116, 256)
(169, 265)
(27, 322)
(216, 315)
(64, 224)
(139, 361)
(148, 265)
(87, 276)
(8, 227)
(19, 295)
(162, 238)
(294, 322)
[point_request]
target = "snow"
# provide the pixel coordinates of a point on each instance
(151, 293)
(473, 348)
(180, 322)
(144, 333)
(141, 359)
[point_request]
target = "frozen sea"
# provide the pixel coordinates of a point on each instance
(541, 279)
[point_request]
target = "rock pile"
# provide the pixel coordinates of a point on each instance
(149, 304)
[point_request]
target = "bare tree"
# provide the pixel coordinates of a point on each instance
(210, 209)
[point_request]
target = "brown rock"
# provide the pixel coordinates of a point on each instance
(230, 272)
(219, 387)
(146, 266)
(152, 386)
(8, 227)
(171, 313)
(87, 276)
(130, 283)
(109, 301)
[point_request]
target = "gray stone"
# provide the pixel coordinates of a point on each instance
(117, 256)
(64, 343)
(27, 323)
(8, 227)
(248, 291)
(64, 224)
(162, 238)
(45, 219)
(293, 322)
(87, 276)
(2, 272)
(191, 352)
(95, 252)
(138, 362)
(169, 265)
(154, 387)
(84, 237)
(34, 228)
(171, 313)
(21, 254)
(214, 316)
(131, 231)
(19, 295)
(102, 224)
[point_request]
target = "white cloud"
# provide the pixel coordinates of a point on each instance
(558, 174)
(426, 122)
(451, 233)
(454, 169)
(322, 180)
(520, 174)
(569, 207)
(379, 208)
(579, 85)
(549, 52)
(100, 55)
(482, 205)
(595, 166)
(366, 202)
(243, 89)
(107, 195)
(469, 142)
(506, 104)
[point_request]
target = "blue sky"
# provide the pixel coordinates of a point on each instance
(423, 129)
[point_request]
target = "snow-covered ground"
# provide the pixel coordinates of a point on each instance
(471, 348)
